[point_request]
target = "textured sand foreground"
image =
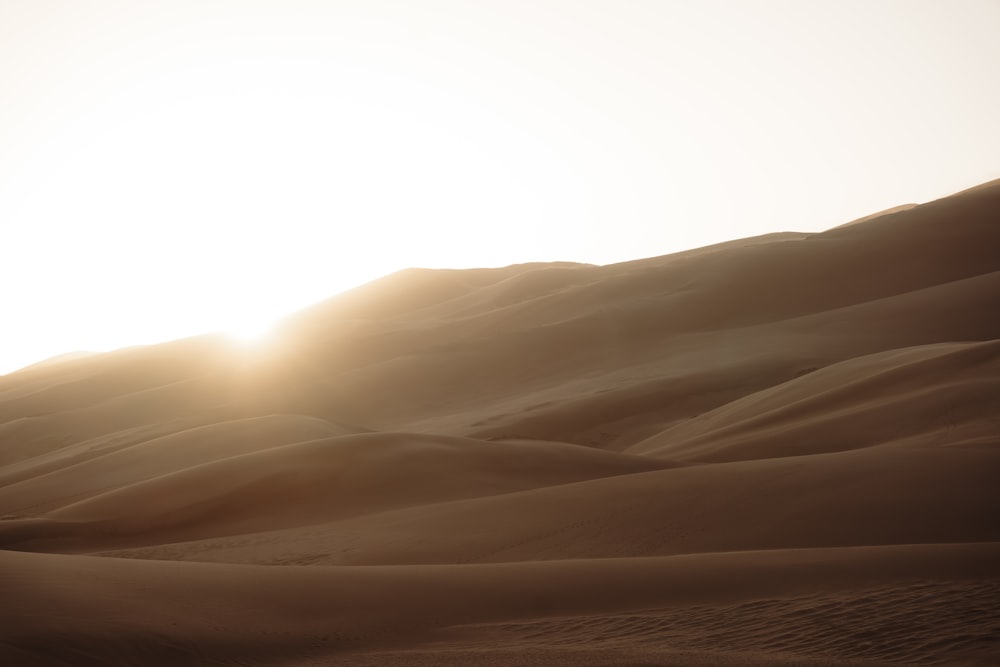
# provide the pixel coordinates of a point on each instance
(774, 451)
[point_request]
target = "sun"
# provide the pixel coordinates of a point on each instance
(250, 333)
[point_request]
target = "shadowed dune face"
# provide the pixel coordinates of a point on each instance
(866, 497)
(780, 450)
(934, 394)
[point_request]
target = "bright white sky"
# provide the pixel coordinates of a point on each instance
(180, 166)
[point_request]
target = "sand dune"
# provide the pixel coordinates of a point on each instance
(310, 482)
(863, 497)
(772, 451)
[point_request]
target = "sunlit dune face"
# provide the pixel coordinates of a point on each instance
(273, 201)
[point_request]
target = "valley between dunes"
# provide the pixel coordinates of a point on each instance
(781, 450)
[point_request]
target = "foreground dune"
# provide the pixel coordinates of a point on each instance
(225, 612)
(773, 451)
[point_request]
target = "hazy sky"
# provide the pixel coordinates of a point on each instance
(174, 167)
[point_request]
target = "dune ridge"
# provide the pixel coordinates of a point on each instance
(772, 451)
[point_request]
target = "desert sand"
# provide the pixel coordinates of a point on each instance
(781, 450)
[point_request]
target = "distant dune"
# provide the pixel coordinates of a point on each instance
(773, 451)
(888, 211)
